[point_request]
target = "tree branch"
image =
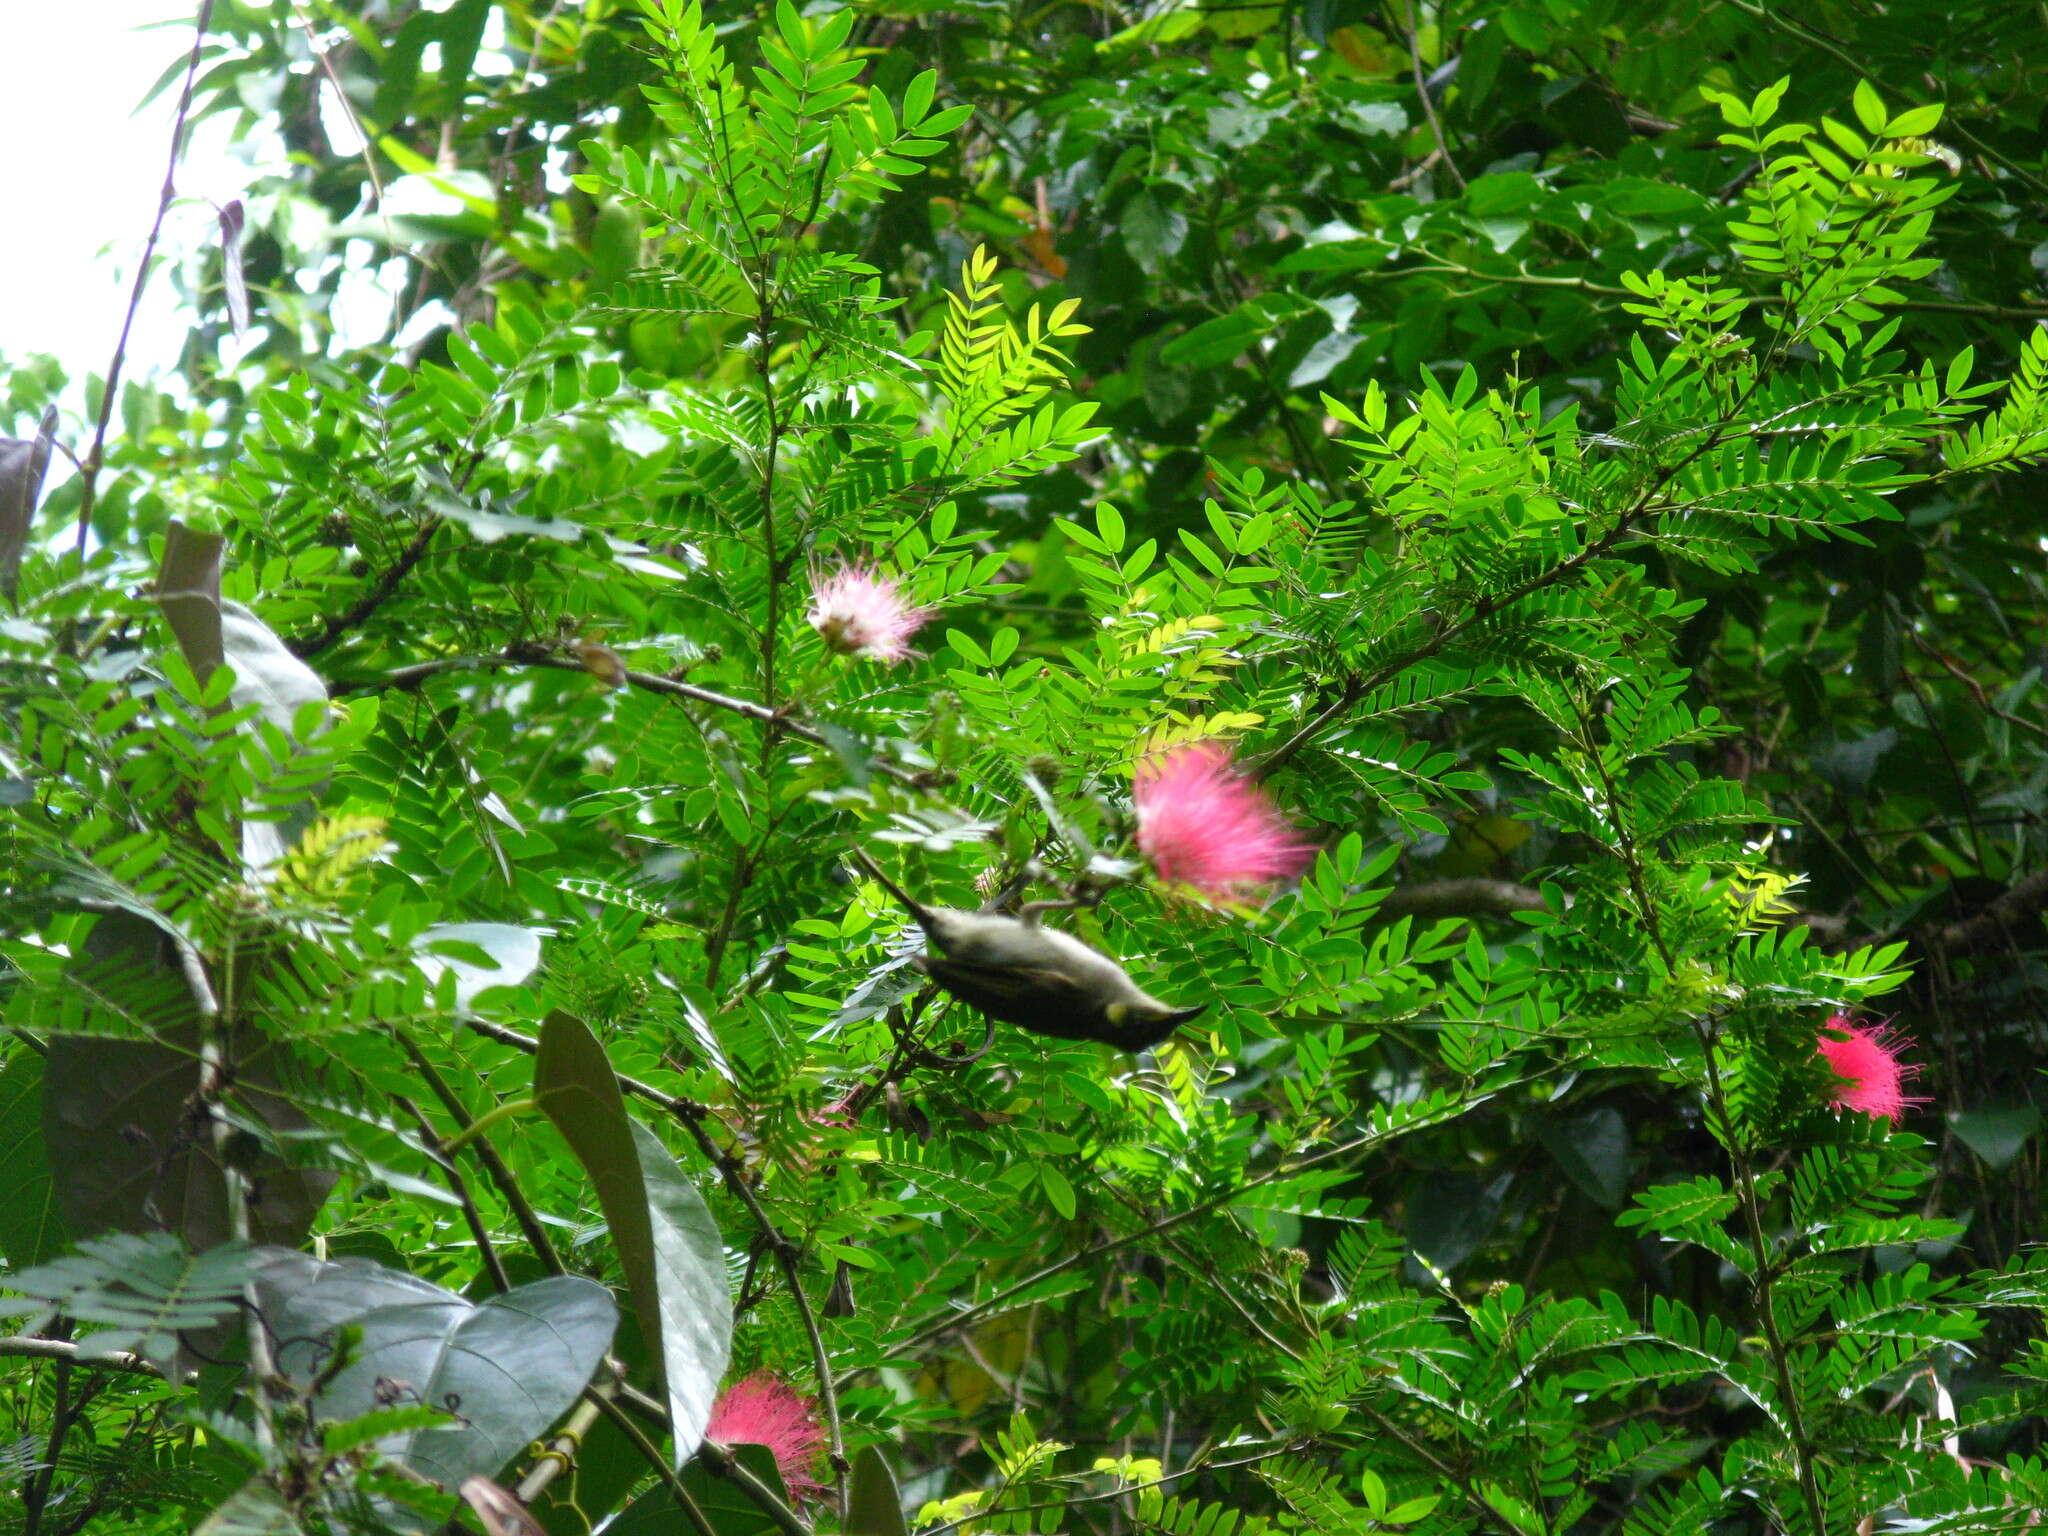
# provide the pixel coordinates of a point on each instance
(88, 491)
(380, 590)
(533, 656)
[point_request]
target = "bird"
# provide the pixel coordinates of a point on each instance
(1015, 970)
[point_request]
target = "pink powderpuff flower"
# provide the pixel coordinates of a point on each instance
(1204, 824)
(861, 612)
(763, 1409)
(1873, 1078)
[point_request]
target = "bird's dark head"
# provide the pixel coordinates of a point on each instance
(1139, 1026)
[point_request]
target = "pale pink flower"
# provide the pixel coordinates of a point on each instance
(1873, 1078)
(861, 612)
(763, 1409)
(1204, 824)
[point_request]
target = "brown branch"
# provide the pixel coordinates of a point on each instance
(533, 656)
(380, 590)
(2021, 905)
(88, 492)
(22, 1346)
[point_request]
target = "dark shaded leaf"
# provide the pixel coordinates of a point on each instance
(1997, 1135)
(23, 463)
(1593, 1150)
(31, 1231)
(124, 1152)
(873, 1505)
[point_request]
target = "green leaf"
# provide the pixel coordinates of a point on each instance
(667, 1242)
(509, 1366)
(31, 1230)
(873, 1506)
(1153, 231)
(254, 1509)
(115, 1112)
(727, 1510)
(142, 1290)
(1997, 1135)
(479, 955)
(1593, 1150)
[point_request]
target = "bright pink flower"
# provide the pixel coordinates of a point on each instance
(1204, 824)
(861, 612)
(763, 1409)
(1873, 1077)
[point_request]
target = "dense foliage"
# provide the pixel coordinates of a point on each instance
(1575, 459)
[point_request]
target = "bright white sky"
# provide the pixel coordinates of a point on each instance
(83, 170)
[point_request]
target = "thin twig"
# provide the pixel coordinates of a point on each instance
(419, 672)
(88, 491)
(35, 1493)
(1436, 127)
(380, 589)
(1167, 1223)
(742, 1477)
(501, 1176)
(459, 1187)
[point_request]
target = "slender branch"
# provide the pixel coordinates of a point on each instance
(1766, 1305)
(1486, 607)
(437, 1150)
(527, 656)
(25, 1347)
(2021, 905)
(380, 590)
(501, 1176)
(1436, 127)
(741, 1477)
(1814, 38)
(1167, 1223)
(88, 491)
(35, 1493)
(559, 1454)
(1473, 896)
(1744, 1170)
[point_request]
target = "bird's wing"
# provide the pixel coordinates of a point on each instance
(1045, 1001)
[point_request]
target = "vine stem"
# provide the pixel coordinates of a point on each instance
(88, 492)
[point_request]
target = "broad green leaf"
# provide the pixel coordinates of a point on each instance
(1593, 1149)
(1997, 1135)
(508, 1366)
(512, 953)
(728, 1511)
(667, 1242)
(116, 1113)
(254, 1509)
